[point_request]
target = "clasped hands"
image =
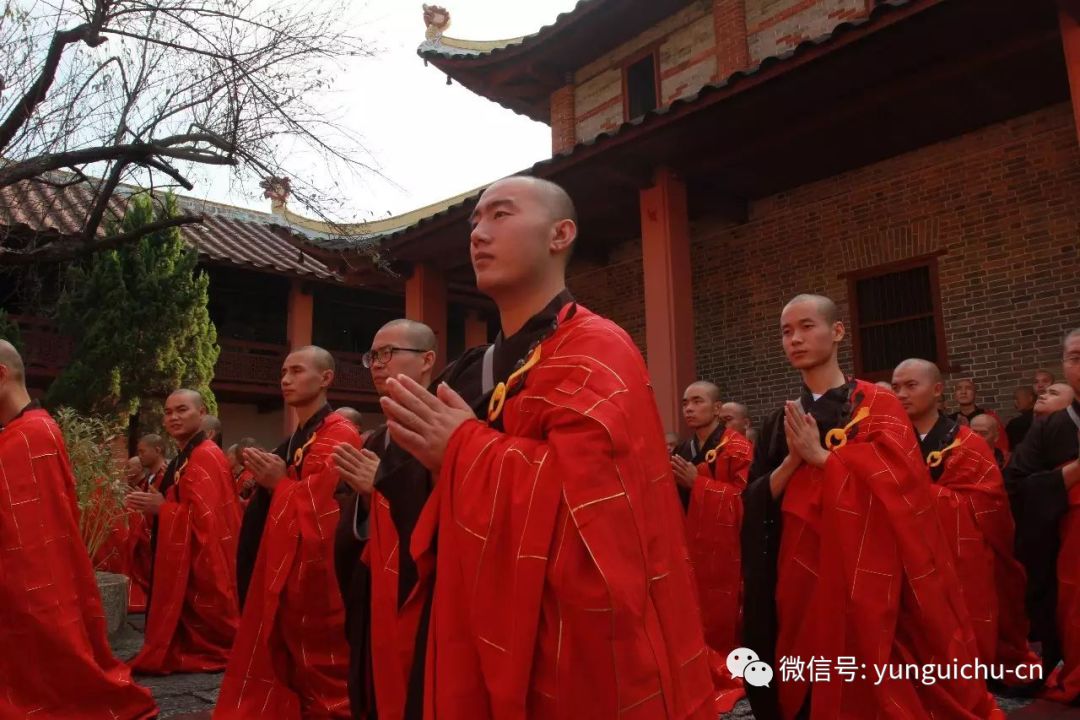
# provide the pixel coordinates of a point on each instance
(803, 437)
(421, 424)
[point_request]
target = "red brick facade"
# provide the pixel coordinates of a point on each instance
(563, 129)
(732, 52)
(1003, 203)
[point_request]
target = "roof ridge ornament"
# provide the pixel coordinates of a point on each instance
(436, 20)
(277, 189)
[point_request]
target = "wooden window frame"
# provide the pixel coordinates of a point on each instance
(654, 51)
(928, 261)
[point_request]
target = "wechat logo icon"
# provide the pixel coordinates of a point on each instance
(744, 663)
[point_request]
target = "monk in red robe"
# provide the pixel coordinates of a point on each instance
(56, 663)
(1043, 479)
(843, 552)
(553, 540)
(150, 453)
(193, 612)
(388, 489)
(291, 658)
(978, 523)
(713, 520)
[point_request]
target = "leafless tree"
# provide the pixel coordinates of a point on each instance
(100, 95)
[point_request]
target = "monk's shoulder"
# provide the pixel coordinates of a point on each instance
(886, 412)
(209, 459)
(593, 353)
(974, 448)
(35, 433)
(336, 430)
(739, 447)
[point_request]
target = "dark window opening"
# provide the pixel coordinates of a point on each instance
(641, 87)
(896, 315)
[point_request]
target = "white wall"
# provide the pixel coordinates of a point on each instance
(242, 420)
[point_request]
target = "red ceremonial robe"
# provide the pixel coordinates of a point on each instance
(291, 658)
(865, 572)
(193, 612)
(563, 587)
(140, 558)
(975, 514)
(713, 521)
(1064, 685)
(55, 663)
(393, 634)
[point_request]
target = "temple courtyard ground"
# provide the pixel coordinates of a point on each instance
(192, 697)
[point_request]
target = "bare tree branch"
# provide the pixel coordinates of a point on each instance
(36, 93)
(67, 248)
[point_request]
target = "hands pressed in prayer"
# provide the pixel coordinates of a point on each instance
(422, 423)
(268, 468)
(357, 467)
(685, 472)
(145, 502)
(803, 438)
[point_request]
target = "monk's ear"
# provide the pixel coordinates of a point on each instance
(563, 235)
(327, 379)
(839, 331)
(428, 360)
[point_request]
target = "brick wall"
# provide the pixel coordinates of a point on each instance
(775, 26)
(615, 289)
(1004, 202)
(562, 120)
(687, 61)
(729, 29)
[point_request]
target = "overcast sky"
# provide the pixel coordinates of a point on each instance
(430, 140)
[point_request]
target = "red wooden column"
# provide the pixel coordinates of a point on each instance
(299, 320)
(476, 330)
(669, 307)
(425, 301)
(1069, 19)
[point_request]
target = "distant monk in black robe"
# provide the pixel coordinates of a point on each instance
(377, 523)
(1043, 480)
(701, 412)
(1024, 401)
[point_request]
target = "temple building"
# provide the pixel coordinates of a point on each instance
(916, 160)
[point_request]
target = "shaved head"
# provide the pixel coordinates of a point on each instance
(825, 306)
(418, 335)
(738, 409)
(155, 441)
(705, 388)
(551, 196)
(10, 358)
(986, 427)
(924, 368)
(321, 359)
(192, 396)
(352, 415)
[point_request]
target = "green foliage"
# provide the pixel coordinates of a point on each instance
(140, 322)
(99, 481)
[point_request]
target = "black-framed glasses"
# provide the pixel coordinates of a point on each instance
(381, 356)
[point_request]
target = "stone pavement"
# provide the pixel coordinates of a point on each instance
(192, 697)
(180, 697)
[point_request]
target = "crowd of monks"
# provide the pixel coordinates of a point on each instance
(516, 541)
